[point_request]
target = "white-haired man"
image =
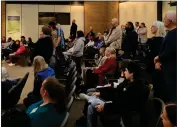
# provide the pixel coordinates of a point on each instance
(166, 60)
(114, 37)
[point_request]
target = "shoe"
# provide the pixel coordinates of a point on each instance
(11, 64)
(83, 96)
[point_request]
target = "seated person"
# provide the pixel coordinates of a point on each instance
(10, 49)
(6, 84)
(98, 74)
(51, 110)
(30, 44)
(128, 96)
(41, 72)
(169, 115)
(19, 51)
(102, 57)
(99, 42)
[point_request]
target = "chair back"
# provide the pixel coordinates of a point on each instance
(65, 120)
(15, 92)
(70, 101)
(152, 111)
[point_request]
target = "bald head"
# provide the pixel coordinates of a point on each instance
(170, 19)
(114, 22)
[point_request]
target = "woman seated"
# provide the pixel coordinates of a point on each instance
(51, 110)
(19, 51)
(109, 67)
(169, 115)
(99, 41)
(10, 49)
(131, 91)
(41, 72)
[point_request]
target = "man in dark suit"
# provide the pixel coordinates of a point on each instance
(73, 29)
(166, 60)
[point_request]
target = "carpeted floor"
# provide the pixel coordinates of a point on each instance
(17, 71)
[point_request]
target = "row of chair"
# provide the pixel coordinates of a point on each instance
(70, 86)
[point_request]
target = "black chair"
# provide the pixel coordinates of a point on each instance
(152, 111)
(15, 92)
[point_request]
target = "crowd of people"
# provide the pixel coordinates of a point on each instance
(52, 52)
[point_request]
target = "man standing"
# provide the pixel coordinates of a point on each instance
(114, 37)
(73, 29)
(166, 60)
(61, 38)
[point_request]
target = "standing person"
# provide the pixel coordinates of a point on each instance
(166, 59)
(158, 31)
(73, 29)
(114, 38)
(78, 50)
(44, 45)
(142, 33)
(137, 26)
(129, 44)
(54, 34)
(61, 38)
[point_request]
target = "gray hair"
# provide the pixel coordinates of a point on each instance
(160, 28)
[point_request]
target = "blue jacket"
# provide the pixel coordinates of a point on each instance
(49, 72)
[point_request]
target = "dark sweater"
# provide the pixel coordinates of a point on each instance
(128, 96)
(44, 47)
(130, 41)
(73, 30)
(154, 48)
(167, 53)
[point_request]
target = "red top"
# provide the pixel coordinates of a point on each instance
(109, 66)
(20, 50)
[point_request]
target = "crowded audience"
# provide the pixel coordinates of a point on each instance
(95, 61)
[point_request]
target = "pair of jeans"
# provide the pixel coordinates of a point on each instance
(92, 113)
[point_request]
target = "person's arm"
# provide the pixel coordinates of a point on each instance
(77, 47)
(59, 37)
(114, 36)
(170, 49)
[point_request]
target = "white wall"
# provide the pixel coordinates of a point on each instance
(30, 21)
(166, 7)
(29, 18)
(138, 11)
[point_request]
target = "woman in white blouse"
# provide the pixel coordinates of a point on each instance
(142, 33)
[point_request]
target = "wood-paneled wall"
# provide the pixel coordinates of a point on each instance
(99, 14)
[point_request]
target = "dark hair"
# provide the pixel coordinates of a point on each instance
(46, 30)
(133, 68)
(80, 34)
(143, 24)
(131, 25)
(171, 113)
(9, 39)
(23, 37)
(17, 41)
(51, 23)
(29, 39)
(56, 92)
(137, 22)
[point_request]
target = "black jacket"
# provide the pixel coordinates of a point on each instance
(44, 47)
(130, 41)
(167, 53)
(127, 97)
(73, 30)
(154, 48)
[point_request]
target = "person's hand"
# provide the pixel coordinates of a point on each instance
(97, 94)
(156, 59)
(99, 108)
(158, 66)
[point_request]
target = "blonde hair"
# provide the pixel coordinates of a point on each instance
(160, 28)
(112, 51)
(39, 64)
